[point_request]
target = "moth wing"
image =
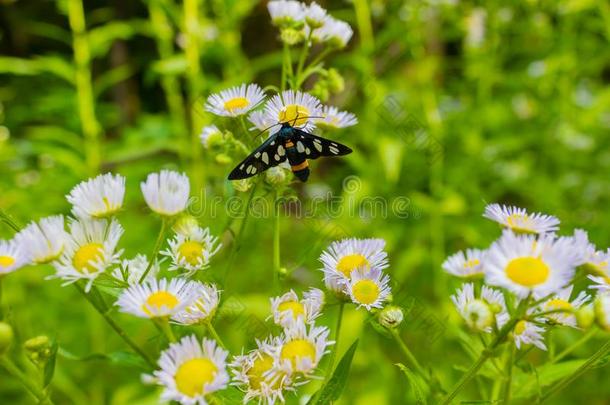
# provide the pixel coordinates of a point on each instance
(270, 153)
(314, 146)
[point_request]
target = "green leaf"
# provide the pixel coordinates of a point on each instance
(527, 385)
(49, 368)
(418, 386)
(121, 358)
(333, 388)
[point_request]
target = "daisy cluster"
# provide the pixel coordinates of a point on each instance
(529, 275)
(280, 364)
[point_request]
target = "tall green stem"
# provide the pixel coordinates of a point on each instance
(408, 354)
(509, 375)
(84, 88)
(585, 338)
(13, 370)
(276, 238)
(156, 249)
(214, 334)
(166, 328)
(333, 354)
(1, 306)
(119, 331)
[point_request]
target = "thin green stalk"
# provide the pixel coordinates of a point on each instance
(365, 28)
(214, 334)
(119, 331)
(509, 375)
(285, 63)
(276, 238)
(155, 249)
(84, 88)
(408, 354)
(585, 338)
(6, 218)
(166, 328)
(333, 354)
(1, 306)
(588, 365)
(36, 391)
(304, 52)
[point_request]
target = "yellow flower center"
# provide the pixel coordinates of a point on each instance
(6, 261)
(365, 291)
(296, 307)
(236, 103)
(191, 251)
(472, 263)
(519, 223)
(159, 300)
(86, 255)
(298, 349)
(349, 263)
(520, 327)
(558, 304)
(294, 114)
(193, 375)
(527, 271)
(256, 373)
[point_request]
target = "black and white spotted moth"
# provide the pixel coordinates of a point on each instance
(288, 143)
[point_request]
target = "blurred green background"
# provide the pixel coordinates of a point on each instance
(460, 103)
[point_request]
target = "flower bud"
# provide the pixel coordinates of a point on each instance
(478, 315)
(38, 349)
(6, 337)
(601, 307)
(320, 90)
(242, 185)
(291, 36)
(336, 83)
(585, 316)
(211, 137)
(390, 317)
(185, 224)
(276, 176)
(223, 159)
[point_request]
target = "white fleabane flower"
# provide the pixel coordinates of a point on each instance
(210, 136)
(235, 101)
(481, 314)
(261, 121)
(528, 333)
(526, 264)
(333, 118)
(335, 32)
(467, 264)
(91, 248)
(343, 257)
(301, 349)
(288, 308)
(166, 192)
(518, 220)
(368, 288)
(601, 307)
(192, 251)
(286, 12)
(43, 241)
(254, 374)
(295, 108)
(561, 302)
(131, 270)
(12, 256)
(203, 307)
(157, 298)
(99, 197)
(314, 15)
(593, 261)
(189, 370)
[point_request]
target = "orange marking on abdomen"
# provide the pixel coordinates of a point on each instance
(289, 144)
(300, 166)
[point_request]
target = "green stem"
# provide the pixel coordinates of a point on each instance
(297, 82)
(84, 88)
(575, 345)
(276, 238)
(365, 28)
(589, 364)
(285, 66)
(156, 249)
(13, 370)
(509, 375)
(1, 307)
(166, 328)
(408, 354)
(119, 331)
(214, 334)
(333, 354)
(6, 218)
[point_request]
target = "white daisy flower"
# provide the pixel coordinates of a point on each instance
(300, 350)
(286, 12)
(527, 264)
(314, 15)
(528, 333)
(43, 241)
(203, 307)
(235, 101)
(561, 301)
(601, 307)
(189, 370)
(261, 121)
(210, 136)
(593, 261)
(481, 314)
(157, 298)
(288, 307)
(99, 197)
(295, 108)
(131, 270)
(333, 118)
(518, 220)
(465, 265)
(343, 257)
(166, 192)
(335, 32)
(254, 374)
(368, 288)
(12, 256)
(192, 251)
(90, 249)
